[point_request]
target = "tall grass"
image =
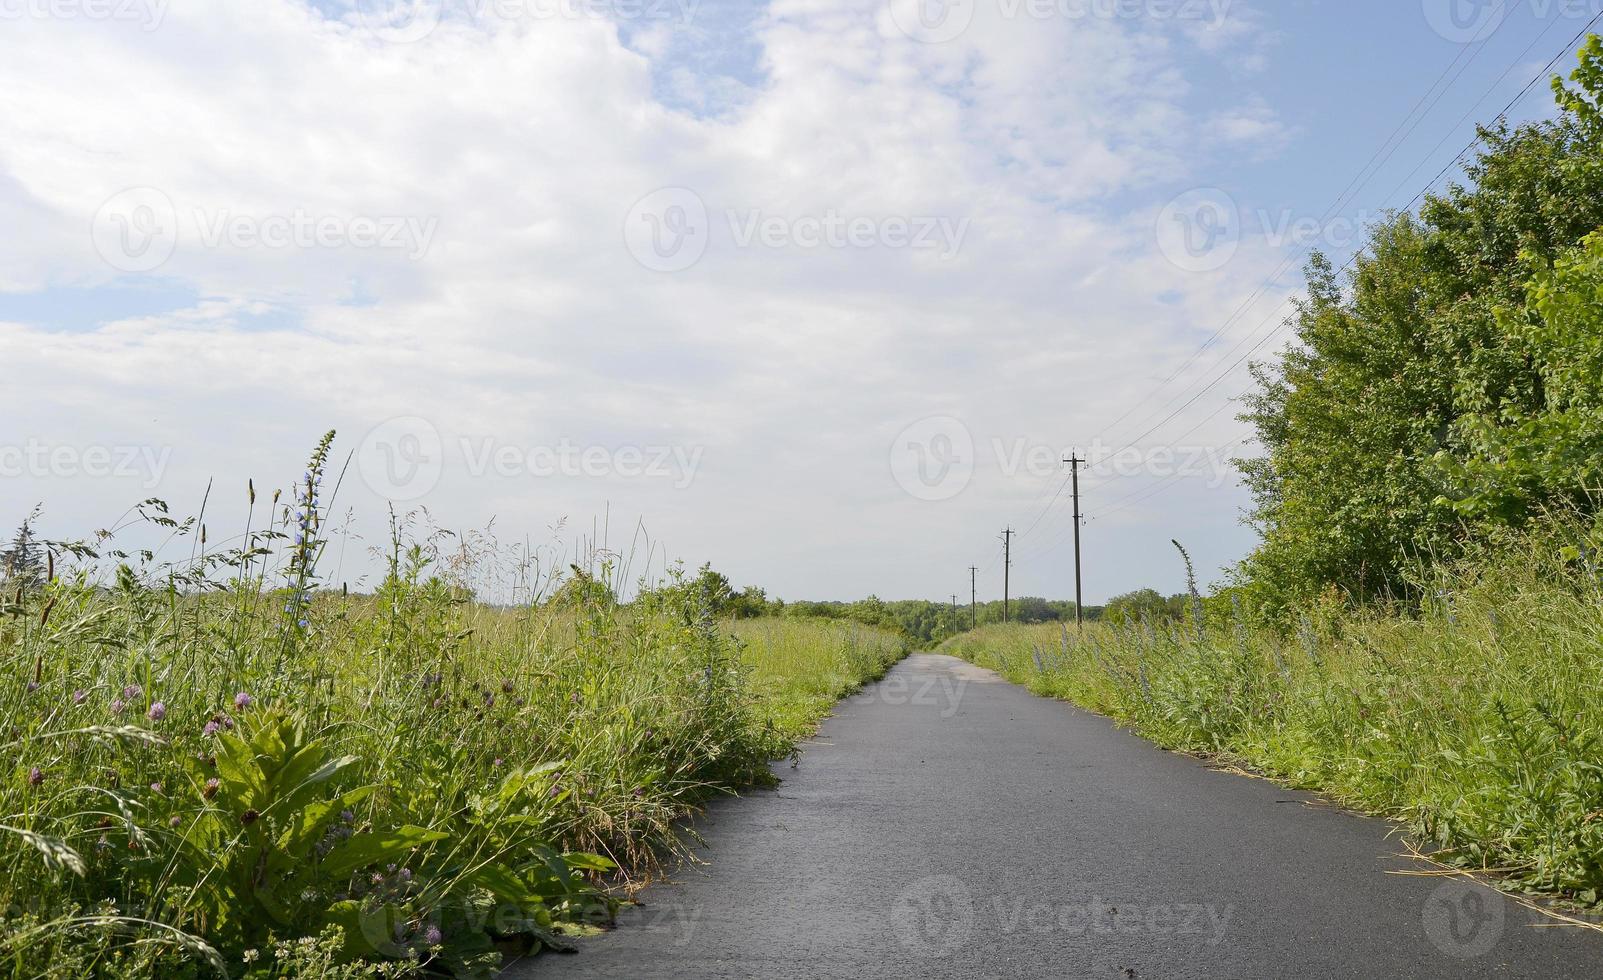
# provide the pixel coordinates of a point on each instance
(803, 666)
(1477, 720)
(222, 767)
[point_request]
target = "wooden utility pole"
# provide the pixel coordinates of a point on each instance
(1075, 462)
(973, 598)
(1007, 570)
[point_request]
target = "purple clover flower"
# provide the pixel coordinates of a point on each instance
(158, 711)
(79, 696)
(243, 701)
(36, 776)
(117, 706)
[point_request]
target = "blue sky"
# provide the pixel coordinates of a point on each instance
(824, 299)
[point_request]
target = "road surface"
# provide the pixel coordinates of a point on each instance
(948, 824)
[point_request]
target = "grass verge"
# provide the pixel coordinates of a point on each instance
(1476, 721)
(223, 767)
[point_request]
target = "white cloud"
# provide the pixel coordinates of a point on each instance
(527, 321)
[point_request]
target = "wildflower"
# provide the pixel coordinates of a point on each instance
(79, 696)
(157, 788)
(158, 711)
(406, 874)
(228, 723)
(496, 762)
(117, 706)
(506, 686)
(243, 701)
(210, 789)
(175, 821)
(36, 776)
(432, 935)
(212, 728)
(132, 691)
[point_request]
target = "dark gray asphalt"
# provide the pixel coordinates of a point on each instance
(948, 824)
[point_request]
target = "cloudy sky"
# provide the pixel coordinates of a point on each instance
(820, 291)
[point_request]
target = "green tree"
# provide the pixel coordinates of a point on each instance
(1405, 369)
(22, 564)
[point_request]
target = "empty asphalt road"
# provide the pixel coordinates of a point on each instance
(948, 824)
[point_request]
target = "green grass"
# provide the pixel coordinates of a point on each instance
(801, 667)
(1477, 721)
(219, 766)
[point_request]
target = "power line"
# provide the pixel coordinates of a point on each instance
(1359, 251)
(1371, 168)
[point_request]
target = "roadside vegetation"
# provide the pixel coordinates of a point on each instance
(1473, 718)
(1420, 631)
(221, 766)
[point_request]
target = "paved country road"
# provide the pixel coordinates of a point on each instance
(949, 824)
